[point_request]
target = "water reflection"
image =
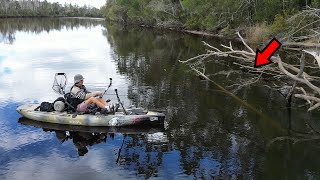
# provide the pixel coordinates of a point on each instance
(76, 46)
(209, 134)
(205, 122)
(141, 149)
(9, 26)
(82, 137)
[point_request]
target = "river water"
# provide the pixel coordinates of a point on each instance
(208, 134)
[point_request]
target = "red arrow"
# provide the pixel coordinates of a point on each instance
(263, 58)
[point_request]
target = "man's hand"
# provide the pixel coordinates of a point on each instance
(98, 94)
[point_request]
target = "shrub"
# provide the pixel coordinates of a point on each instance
(258, 33)
(279, 24)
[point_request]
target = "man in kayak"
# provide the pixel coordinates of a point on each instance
(84, 97)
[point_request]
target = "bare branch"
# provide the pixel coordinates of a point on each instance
(194, 58)
(314, 107)
(302, 96)
(245, 44)
(305, 93)
(315, 55)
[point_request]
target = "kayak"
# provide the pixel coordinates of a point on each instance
(92, 129)
(115, 120)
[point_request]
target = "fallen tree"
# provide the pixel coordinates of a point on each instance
(302, 81)
(303, 85)
(292, 80)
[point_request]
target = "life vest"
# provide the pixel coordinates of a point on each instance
(73, 102)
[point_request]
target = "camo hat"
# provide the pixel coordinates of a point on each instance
(78, 78)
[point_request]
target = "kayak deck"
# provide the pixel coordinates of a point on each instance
(117, 119)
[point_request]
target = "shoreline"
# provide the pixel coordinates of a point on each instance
(182, 30)
(290, 44)
(84, 17)
(287, 44)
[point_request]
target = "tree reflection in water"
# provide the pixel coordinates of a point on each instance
(9, 26)
(213, 134)
(209, 134)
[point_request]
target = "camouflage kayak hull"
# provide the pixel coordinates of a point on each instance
(116, 120)
(92, 129)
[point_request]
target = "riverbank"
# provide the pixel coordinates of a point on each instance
(253, 38)
(257, 22)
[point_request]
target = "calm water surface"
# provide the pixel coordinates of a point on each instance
(208, 134)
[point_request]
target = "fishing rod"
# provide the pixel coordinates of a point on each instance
(125, 112)
(115, 94)
(107, 88)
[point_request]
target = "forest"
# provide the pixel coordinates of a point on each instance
(36, 8)
(267, 17)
